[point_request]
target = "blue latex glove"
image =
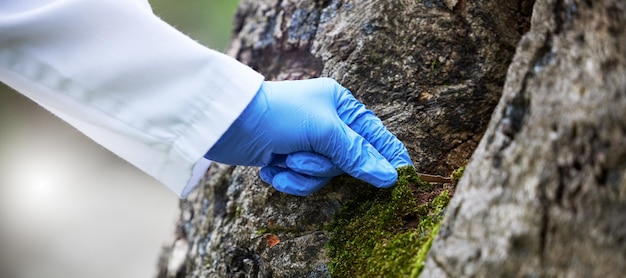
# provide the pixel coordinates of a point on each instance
(305, 132)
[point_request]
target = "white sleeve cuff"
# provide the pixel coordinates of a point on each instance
(127, 80)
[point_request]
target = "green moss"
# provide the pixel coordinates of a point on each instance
(385, 233)
(434, 65)
(238, 212)
(457, 174)
(420, 259)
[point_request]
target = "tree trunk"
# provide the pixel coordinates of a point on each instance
(432, 70)
(545, 193)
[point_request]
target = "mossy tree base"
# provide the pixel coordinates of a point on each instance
(387, 233)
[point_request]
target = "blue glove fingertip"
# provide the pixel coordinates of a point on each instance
(401, 158)
(375, 169)
(312, 164)
(268, 173)
(297, 184)
(384, 176)
(291, 182)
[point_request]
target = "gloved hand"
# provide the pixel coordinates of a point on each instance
(305, 132)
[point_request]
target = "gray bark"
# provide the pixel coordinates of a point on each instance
(545, 193)
(433, 71)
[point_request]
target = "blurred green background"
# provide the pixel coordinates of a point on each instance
(68, 207)
(207, 21)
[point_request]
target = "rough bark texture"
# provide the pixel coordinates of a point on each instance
(431, 70)
(431, 73)
(545, 193)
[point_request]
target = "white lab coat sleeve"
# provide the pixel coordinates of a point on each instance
(126, 79)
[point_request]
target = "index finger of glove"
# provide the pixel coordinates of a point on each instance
(365, 123)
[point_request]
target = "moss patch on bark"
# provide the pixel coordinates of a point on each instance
(387, 233)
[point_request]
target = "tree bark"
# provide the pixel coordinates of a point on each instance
(545, 193)
(432, 70)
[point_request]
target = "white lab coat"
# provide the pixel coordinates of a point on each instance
(126, 79)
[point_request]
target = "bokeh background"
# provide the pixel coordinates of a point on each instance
(68, 207)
